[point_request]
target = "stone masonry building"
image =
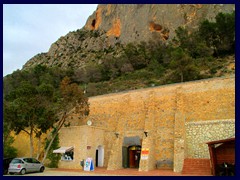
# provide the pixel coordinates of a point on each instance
(152, 128)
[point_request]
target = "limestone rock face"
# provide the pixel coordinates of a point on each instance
(114, 25)
(138, 22)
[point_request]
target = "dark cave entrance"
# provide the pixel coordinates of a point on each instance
(94, 23)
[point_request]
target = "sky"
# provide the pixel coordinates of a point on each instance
(29, 29)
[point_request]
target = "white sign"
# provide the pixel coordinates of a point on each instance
(88, 166)
(144, 157)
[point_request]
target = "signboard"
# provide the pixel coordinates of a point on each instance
(88, 166)
(145, 153)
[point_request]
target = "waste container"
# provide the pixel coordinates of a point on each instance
(82, 163)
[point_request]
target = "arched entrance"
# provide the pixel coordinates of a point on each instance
(99, 156)
(131, 152)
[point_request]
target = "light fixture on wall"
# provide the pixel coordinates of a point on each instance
(146, 133)
(116, 134)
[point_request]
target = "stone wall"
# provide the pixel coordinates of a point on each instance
(84, 139)
(198, 133)
(166, 113)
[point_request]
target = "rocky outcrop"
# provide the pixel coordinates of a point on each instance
(114, 25)
(138, 22)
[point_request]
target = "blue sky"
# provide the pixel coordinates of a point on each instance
(29, 29)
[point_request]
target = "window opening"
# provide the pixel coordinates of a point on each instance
(68, 156)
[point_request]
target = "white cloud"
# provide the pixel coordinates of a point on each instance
(29, 29)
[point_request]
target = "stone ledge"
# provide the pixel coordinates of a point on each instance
(225, 121)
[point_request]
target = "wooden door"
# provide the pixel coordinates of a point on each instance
(132, 158)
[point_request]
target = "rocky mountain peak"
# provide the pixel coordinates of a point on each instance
(112, 25)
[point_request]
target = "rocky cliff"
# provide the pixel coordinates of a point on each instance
(112, 26)
(138, 22)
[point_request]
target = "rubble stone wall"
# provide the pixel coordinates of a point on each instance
(198, 133)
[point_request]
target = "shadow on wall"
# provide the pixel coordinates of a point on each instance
(164, 164)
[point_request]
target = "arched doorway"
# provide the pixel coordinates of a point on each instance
(99, 156)
(131, 152)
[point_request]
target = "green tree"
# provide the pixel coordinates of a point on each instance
(34, 103)
(8, 149)
(137, 55)
(220, 35)
(111, 67)
(32, 113)
(183, 65)
(226, 31)
(192, 43)
(71, 96)
(29, 98)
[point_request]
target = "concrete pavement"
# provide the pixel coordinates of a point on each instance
(103, 172)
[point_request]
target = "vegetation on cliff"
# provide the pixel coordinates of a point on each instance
(192, 55)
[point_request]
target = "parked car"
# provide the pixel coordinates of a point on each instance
(25, 165)
(6, 162)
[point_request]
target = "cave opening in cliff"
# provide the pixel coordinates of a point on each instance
(94, 23)
(155, 27)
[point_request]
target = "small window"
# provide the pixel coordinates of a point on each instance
(68, 156)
